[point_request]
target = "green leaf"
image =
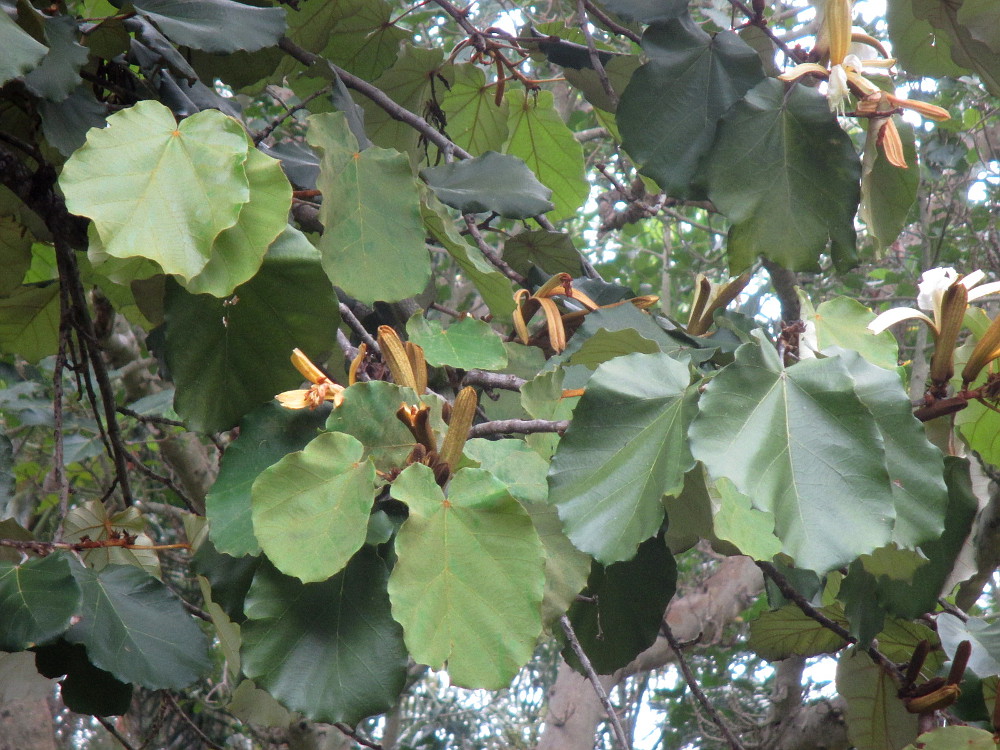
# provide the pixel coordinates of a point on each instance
(843, 322)
(157, 189)
(228, 632)
(625, 611)
(542, 398)
(738, 522)
(669, 112)
(85, 688)
(772, 432)
(788, 631)
(197, 24)
(310, 510)
(238, 251)
(493, 286)
(266, 435)
(251, 704)
(915, 465)
(689, 512)
(552, 252)
(966, 51)
(647, 11)
(785, 173)
(38, 598)
(626, 446)
(136, 629)
(373, 242)
(513, 463)
(368, 413)
(566, 567)
(466, 344)
(470, 573)
(876, 718)
(58, 74)
(619, 70)
(29, 321)
(91, 520)
(982, 19)
(605, 345)
(949, 738)
(475, 122)
(888, 192)
(15, 254)
(21, 52)
(329, 650)
(227, 359)
(540, 137)
(921, 49)
(493, 182)
(984, 636)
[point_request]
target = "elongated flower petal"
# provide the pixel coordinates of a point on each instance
(837, 21)
(987, 349)
(892, 146)
(804, 69)
(557, 333)
(981, 291)
(305, 366)
(897, 315)
(923, 108)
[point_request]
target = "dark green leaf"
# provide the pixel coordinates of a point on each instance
(21, 52)
(65, 124)
(647, 11)
(138, 630)
(227, 359)
(921, 49)
(330, 650)
(669, 112)
(626, 609)
(29, 321)
(37, 599)
(493, 182)
(803, 446)
(198, 24)
(266, 435)
(552, 252)
(85, 688)
(625, 448)
(888, 192)
(785, 173)
(58, 74)
(310, 510)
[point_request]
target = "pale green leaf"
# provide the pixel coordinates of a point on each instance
(876, 717)
(466, 344)
(951, 737)
(468, 584)
(91, 520)
(29, 321)
(738, 522)
(310, 510)
(475, 121)
(157, 189)
(788, 631)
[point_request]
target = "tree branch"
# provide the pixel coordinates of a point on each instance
(517, 427)
(484, 379)
(574, 643)
(595, 59)
(696, 690)
(492, 255)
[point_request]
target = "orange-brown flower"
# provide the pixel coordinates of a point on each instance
(322, 388)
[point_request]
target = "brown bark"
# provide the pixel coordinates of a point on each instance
(26, 725)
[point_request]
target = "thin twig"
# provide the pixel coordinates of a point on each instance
(609, 709)
(492, 255)
(166, 482)
(696, 690)
(761, 24)
(606, 21)
(115, 733)
(517, 427)
(148, 418)
(348, 732)
(273, 125)
(595, 59)
(789, 592)
(59, 468)
(484, 379)
(351, 319)
(190, 722)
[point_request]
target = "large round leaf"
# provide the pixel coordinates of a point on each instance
(470, 577)
(158, 189)
(266, 435)
(669, 111)
(787, 176)
(876, 718)
(802, 445)
(625, 448)
(37, 599)
(230, 356)
(137, 629)
(788, 631)
(310, 510)
(198, 24)
(466, 344)
(330, 650)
